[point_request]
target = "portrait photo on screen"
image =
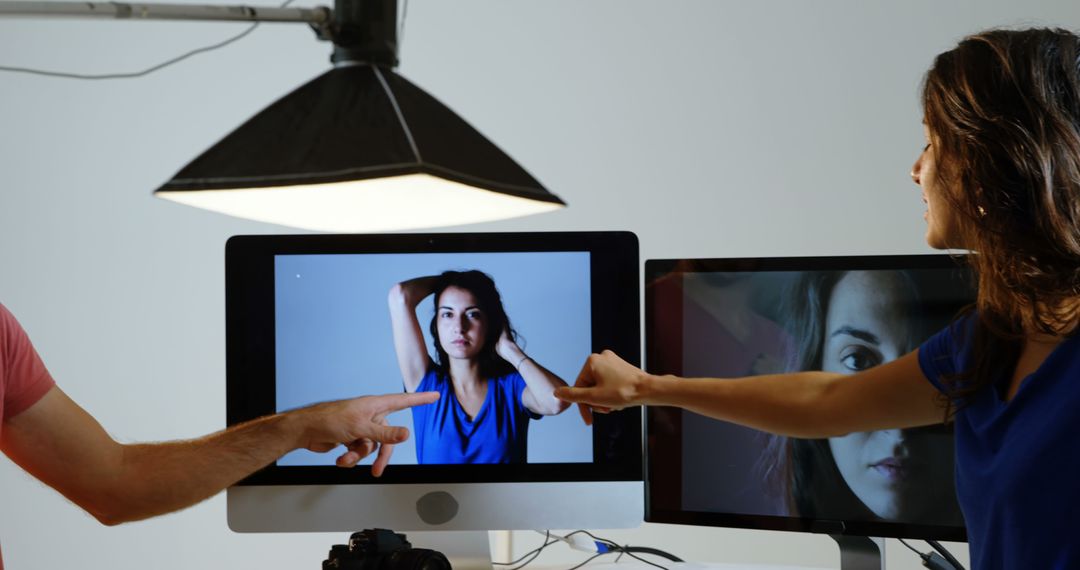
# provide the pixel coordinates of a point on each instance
(493, 333)
(743, 323)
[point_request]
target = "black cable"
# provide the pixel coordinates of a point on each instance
(630, 550)
(631, 554)
(944, 552)
(653, 551)
(910, 547)
(147, 71)
(612, 546)
(933, 560)
(534, 553)
(640, 559)
(589, 559)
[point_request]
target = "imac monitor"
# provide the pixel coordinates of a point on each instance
(309, 320)
(725, 318)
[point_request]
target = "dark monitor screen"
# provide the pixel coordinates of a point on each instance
(724, 318)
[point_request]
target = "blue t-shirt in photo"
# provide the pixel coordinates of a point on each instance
(1017, 462)
(498, 434)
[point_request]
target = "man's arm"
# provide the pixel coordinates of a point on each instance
(59, 443)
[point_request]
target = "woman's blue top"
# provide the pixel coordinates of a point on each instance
(498, 434)
(1017, 462)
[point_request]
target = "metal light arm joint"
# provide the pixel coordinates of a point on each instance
(316, 17)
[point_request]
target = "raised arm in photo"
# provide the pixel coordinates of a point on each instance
(412, 355)
(539, 394)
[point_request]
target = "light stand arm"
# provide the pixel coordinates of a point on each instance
(317, 17)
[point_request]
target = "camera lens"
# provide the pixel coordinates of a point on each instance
(417, 559)
(381, 549)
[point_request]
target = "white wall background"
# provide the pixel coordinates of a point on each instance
(709, 128)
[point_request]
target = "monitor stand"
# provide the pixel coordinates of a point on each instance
(860, 552)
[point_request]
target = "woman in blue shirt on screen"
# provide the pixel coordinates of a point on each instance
(1000, 174)
(490, 389)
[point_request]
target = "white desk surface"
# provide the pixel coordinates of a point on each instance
(636, 565)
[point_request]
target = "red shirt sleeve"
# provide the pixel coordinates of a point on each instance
(23, 377)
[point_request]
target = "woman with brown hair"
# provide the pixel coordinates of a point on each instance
(489, 388)
(1000, 174)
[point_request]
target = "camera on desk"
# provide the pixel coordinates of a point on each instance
(381, 549)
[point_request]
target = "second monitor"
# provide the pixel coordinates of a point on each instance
(726, 318)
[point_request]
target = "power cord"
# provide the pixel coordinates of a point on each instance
(530, 555)
(605, 546)
(587, 542)
(946, 554)
(940, 560)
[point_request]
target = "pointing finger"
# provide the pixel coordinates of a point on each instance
(575, 395)
(394, 402)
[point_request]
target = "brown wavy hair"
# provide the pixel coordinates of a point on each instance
(1003, 110)
(488, 300)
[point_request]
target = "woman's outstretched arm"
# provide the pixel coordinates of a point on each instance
(801, 404)
(412, 356)
(539, 394)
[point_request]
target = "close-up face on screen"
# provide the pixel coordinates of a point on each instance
(733, 324)
(491, 332)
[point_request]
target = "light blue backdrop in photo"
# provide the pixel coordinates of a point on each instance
(333, 337)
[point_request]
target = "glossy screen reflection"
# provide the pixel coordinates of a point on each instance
(721, 324)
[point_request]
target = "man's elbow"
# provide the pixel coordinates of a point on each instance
(812, 430)
(111, 512)
(119, 498)
(109, 519)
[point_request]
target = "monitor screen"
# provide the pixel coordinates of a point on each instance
(724, 318)
(334, 339)
(312, 319)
